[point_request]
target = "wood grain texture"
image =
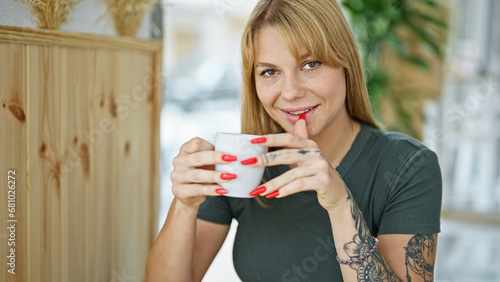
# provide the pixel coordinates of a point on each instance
(80, 123)
(103, 108)
(77, 145)
(13, 155)
(71, 39)
(45, 163)
(156, 100)
(127, 157)
(142, 94)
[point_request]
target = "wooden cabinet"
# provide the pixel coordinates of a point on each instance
(79, 125)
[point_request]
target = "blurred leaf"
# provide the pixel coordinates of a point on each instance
(354, 9)
(397, 46)
(416, 61)
(425, 37)
(430, 3)
(433, 20)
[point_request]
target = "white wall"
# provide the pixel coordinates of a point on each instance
(88, 17)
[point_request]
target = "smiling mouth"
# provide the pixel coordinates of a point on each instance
(298, 113)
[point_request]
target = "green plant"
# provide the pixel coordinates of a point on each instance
(408, 28)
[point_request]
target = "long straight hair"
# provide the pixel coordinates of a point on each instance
(321, 27)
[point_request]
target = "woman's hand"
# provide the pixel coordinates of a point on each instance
(193, 175)
(310, 170)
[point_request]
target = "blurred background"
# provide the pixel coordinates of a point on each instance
(433, 72)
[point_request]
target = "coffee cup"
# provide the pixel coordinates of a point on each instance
(248, 177)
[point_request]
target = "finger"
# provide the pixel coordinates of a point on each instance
(195, 145)
(291, 176)
(283, 157)
(203, 158)
(301, 129)
(287, 140)
(200, 176)
(183, 191)
(299, 185)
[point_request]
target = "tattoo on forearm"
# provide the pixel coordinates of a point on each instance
(420, 255)
(374, 268)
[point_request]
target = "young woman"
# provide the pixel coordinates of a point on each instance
(341, 201)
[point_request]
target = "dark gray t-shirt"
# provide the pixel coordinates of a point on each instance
(395, 180)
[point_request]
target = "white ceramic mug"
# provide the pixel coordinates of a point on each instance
(248, 178)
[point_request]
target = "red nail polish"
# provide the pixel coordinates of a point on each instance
(302, 116)
(249, 161)
(273, 194)
(258, 191)
(221, 191)
(259, 140)
(229, 158)
(228, 176)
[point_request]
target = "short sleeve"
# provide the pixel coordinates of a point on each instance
(216, 209)
(415, 196)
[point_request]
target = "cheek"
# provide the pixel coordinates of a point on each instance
(265, 95)
(334, 90)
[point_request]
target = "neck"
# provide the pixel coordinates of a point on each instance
(337, 140)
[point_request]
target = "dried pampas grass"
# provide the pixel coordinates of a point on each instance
(51, 14)
(128, 14)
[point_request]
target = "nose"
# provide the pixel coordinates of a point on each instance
(292, 87)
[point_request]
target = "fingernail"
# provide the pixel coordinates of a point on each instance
(259, 140)
(228, 176)
(221, 191)
(273, 194)
(229, 158)
(302, 116)
(258, 191)
(249, 161)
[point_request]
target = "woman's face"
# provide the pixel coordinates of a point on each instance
(287, 88)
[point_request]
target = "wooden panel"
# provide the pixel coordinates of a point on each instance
(127, 157)
(155, 146)
(142, 94)
(72, 39)
(45, 165)
(78, 139)
(80, 121)
(104, 116)
(13, 155)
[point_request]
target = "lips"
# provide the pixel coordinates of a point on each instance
(298, 113)
(293, 114)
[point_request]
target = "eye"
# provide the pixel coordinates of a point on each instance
(269, 72)
(312, 65)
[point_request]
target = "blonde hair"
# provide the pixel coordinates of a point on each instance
(321, 27)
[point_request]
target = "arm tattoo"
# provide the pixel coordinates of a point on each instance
(420, 255)
(374, 268)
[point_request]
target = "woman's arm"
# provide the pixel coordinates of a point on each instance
(398, 257)
(185, 247)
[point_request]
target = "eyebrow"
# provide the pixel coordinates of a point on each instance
(265, 65)
(269, 65)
